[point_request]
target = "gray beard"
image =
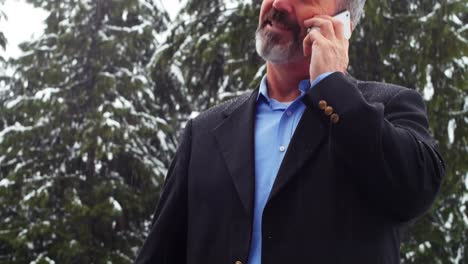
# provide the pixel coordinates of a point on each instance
(268, 46)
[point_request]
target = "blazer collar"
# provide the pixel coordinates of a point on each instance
(235, 138)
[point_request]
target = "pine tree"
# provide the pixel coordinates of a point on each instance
(85, 144)
(3, 74)
(210, 55)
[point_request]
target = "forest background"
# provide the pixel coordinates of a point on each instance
(91, 110)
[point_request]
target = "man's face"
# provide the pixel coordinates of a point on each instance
(281, 30)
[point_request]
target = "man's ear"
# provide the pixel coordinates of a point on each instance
(352, 26)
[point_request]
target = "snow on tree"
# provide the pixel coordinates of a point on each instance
(85, 144)
(210, 54)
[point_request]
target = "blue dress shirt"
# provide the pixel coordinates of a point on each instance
(275, 124)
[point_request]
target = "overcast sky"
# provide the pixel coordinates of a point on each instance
(26, 22)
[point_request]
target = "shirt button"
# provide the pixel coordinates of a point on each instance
(282, 148)
(288, 113)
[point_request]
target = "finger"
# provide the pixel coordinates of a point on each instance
(307, 44)
(324, 23)
(310, 39)
(308, 22)
(338, 25)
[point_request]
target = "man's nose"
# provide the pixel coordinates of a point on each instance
(283, 5)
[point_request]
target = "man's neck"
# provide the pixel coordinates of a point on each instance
(283, 80)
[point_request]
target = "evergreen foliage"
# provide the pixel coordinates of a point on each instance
(3, 42)
(211, 52)
(84, 147)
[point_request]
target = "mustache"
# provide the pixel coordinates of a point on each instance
(281, 18)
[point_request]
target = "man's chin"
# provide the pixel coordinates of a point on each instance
(272, 48)
(278, 54)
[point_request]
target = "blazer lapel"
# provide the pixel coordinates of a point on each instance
(309, 135)
(235, 138)
(307, 138)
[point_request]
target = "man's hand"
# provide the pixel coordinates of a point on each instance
(326, 45)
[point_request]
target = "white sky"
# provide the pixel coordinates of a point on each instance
(26, 22)
(172, 6)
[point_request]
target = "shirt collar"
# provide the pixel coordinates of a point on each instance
(304, 86)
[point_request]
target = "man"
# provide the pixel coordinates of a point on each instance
(312, 167)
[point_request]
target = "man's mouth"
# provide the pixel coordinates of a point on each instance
(278, 20)
(276, 24)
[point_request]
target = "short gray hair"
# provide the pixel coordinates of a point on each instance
(355, 7)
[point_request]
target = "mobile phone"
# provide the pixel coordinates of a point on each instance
(345, 18)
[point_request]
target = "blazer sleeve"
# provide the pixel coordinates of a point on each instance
(384, 146)
(166, 242)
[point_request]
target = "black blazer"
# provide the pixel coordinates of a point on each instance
(342, 193)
